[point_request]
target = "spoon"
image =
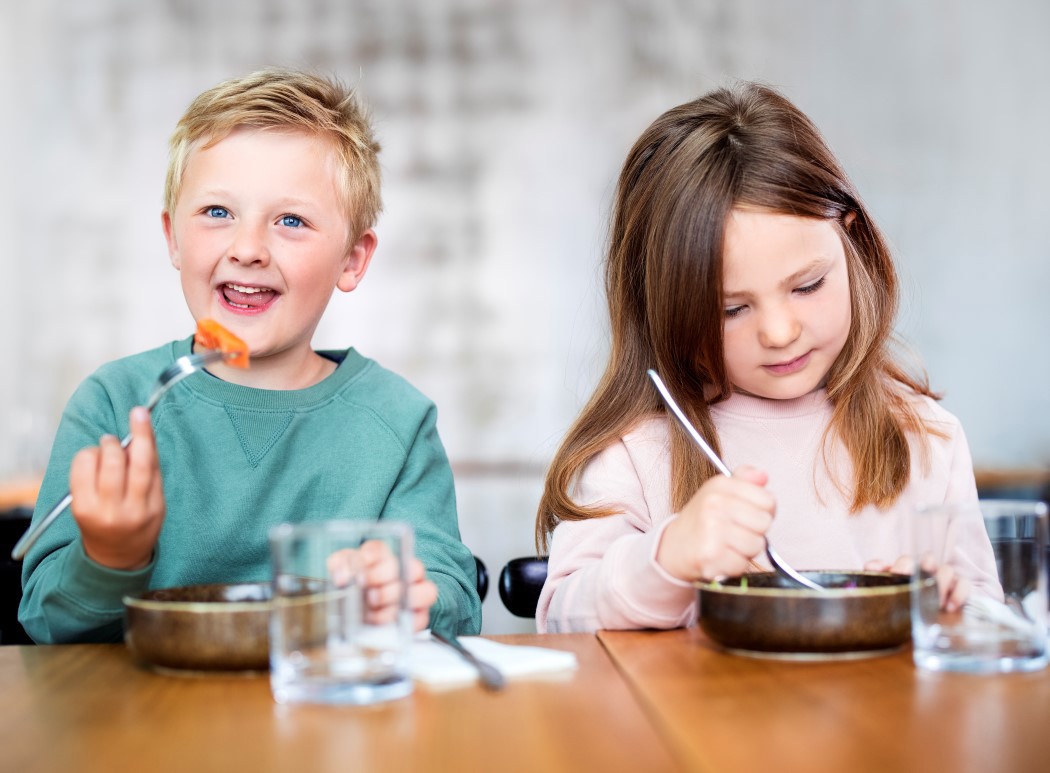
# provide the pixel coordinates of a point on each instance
(778, 563)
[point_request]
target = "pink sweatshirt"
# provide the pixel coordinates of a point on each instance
(602, 572)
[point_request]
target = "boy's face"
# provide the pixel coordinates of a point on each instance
(787, 302)
(261, 238)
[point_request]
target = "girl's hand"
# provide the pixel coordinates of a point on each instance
(118, 500)
(377, 566)
(720, 529)
(952, 590)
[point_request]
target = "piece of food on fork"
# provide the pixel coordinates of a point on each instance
(211, 335)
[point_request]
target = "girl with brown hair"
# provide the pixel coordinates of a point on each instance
(744, 268)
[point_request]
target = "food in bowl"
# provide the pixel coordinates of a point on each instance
(201, 628)
(859, 614)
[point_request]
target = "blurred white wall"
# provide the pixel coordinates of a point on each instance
(504, 124)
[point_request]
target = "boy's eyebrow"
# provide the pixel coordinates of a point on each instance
(220, 193)
(817, 263)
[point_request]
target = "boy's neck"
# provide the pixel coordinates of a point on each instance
(278, 372)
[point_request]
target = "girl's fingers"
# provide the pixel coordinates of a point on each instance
(743, 491)
(960, 593)
(903, 565)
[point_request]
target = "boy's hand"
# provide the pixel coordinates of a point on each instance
(118, 500)
(720, 529)
(374, 562)
(952, 590)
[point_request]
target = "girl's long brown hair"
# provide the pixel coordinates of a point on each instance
(747, 146)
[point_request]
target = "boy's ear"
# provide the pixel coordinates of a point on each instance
(169, 236)
(357, 259)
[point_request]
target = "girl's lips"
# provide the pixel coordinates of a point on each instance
(789, 367)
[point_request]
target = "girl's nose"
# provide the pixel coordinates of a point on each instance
(778, 328)
(249, 245)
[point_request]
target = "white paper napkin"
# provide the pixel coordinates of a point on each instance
(438, 665)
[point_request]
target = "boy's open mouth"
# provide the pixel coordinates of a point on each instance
(246, 297)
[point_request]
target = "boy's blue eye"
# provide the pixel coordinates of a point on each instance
(291, 221)
(218, 212)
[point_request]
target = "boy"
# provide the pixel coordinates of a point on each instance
(272, 191)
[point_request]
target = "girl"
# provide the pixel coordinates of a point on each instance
(745, 269)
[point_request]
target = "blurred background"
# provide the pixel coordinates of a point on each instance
(504, 124)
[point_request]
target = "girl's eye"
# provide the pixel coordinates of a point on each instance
(291, 221)
(733, 311)
(218, 212)
(811, 288)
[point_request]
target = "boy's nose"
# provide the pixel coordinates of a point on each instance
(249, 245)
(778, 328)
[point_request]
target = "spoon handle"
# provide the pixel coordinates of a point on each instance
(688, 425)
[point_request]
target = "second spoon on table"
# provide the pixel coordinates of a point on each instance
(778, 563)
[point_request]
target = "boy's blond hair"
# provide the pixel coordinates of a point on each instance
(276, 98)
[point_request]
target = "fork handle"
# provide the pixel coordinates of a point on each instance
(491, 678)
(29, 539)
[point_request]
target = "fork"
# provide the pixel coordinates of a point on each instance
(173, 374)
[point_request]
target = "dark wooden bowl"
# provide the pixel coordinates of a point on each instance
(208, 628)
(861, 614)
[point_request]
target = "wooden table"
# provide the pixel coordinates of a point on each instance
(722, 712)
(88, 707)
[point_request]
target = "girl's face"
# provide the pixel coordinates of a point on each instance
(787, 302)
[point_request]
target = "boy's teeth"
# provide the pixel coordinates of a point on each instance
(243, 289)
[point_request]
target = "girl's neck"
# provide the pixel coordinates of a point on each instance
(742, 403)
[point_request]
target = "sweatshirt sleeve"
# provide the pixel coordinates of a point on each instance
(602, 572)
(973, 548)
(424, 497)
(66, 596)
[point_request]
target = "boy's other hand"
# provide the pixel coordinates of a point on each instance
(376, 564)
(118, 500)
(720, 529)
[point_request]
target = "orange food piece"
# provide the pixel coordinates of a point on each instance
(211, 335)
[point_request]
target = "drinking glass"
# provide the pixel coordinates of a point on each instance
(997, 548)
(325, 645)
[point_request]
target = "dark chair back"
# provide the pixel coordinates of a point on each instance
(520, 584)
(13, 524)
(483, 578)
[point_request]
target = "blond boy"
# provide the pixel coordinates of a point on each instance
(271, 196)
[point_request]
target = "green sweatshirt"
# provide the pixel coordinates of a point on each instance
(235, 461)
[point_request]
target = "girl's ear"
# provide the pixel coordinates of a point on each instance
(169, 236)
(848, 219)
(357, 259)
